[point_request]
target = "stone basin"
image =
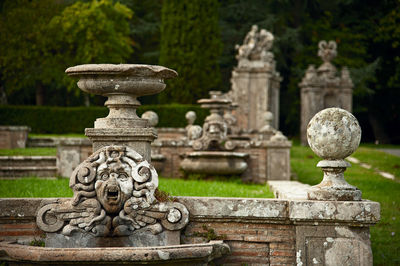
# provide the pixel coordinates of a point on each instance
(193, 254)
(132, 79)
(215, 162)
(122, 84)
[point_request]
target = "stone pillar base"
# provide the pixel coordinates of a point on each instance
(342, 194)
(138, 139)
(334, 186)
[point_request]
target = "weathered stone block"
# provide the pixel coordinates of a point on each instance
(12, 137)
(333, 245)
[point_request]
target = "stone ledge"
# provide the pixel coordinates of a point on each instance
(353, 212)
(145, 255)
(244, 208)
(171, 129)
(133, 132)
(360, 213)
(74, 142)
(289, 189)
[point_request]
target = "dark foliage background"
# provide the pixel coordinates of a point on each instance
(197, 38)
(63, 120)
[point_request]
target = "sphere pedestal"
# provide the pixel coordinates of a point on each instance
(333, 185)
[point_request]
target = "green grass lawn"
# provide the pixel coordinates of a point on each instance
(29, 152)
(385, 236)
(47, 188)
(379, 159)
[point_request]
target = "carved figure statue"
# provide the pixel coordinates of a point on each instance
(214, 133)
(249, 43)
(113, 195)
(255, 47)
(327, 50)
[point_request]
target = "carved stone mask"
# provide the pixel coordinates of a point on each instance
(114, 185)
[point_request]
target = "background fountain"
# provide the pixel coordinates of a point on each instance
(213, 149)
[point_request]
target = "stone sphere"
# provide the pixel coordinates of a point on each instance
(333, 134)
(152, 117)
(268, 116)
(190, 117)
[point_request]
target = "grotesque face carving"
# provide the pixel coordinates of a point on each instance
(114, 185)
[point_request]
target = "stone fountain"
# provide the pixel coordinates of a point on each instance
(117, 211)
(115, 204)
(213, 149)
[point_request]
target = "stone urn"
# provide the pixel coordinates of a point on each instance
(122, 84)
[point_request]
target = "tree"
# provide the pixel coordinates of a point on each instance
(25, 61)
(89, 33)
(190, 44)
(385, 103)
(40, 39)
(145, 30)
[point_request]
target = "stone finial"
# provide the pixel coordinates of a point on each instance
(190, 117)
(267, 117)
(345, 78)
(192, 131)
(310, 77)
(327, 50)
(278, 137)
(152, 117)
(333, 134)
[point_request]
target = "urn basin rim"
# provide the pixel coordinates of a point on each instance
(133, 70)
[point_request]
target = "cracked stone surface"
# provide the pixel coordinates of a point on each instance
(333, 133)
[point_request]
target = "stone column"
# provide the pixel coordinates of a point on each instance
(255, 82)
(323, 87)
(122, 84)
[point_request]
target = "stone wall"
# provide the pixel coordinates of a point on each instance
(324, 87)
(268, 160)
(170, 133)
(12, 137)
(22, 166)
(256, 91)
(70, 153)
(258, 231)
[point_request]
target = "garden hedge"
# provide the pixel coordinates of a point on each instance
(63, 120)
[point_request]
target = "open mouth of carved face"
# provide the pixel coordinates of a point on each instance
(112, 194)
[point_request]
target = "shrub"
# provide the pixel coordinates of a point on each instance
(62, 120)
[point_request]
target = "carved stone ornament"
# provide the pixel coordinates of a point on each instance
(192, 131)
(255, 48)
(215, 127)
(327, 51)
(113, 196)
